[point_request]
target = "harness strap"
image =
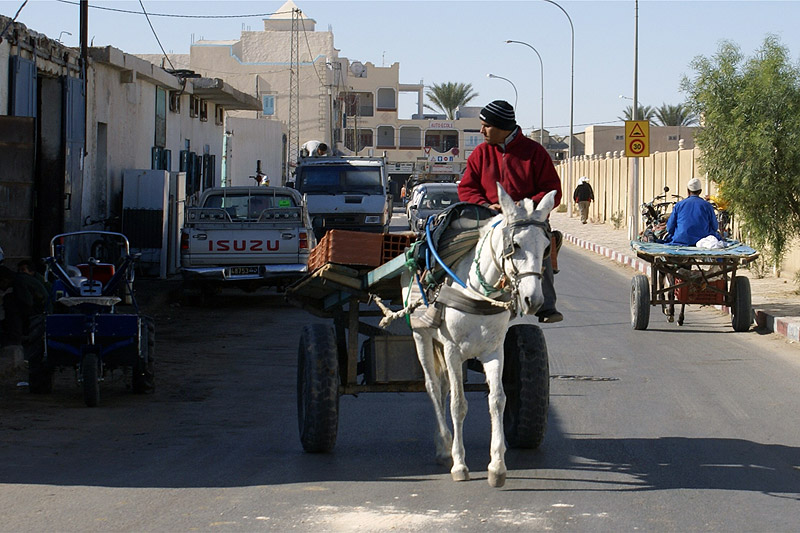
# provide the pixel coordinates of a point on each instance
(456, 299)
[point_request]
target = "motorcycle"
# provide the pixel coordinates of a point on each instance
(724, 216)
(655, 214)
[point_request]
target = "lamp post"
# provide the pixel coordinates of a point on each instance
(516, 95)
(62, 33)
(541, 69)
(571, 104)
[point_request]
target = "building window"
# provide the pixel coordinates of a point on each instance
(268, 105)
(194, 106)
(386, 99)
(219, 115)
(358, 104)
(672, 137)
(175, 101)
(410, 137)
(385, 137)
(364, 139)
(441, 140)
(203, 111)
(619, 138)
(160, 139)
(472, 141)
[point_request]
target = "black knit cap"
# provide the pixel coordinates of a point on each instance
(499, 114)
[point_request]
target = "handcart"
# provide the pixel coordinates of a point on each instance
(352, 356)
(92, 274)
(681, 275)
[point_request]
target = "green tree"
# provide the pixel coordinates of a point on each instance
(448, 96)
(675, 115)
(645, 113)
(750, 141)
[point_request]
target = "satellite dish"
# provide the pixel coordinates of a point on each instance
(358, 69)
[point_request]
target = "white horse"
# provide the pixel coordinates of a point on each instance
(507, 260)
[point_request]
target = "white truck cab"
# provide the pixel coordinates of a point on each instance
(345, 192)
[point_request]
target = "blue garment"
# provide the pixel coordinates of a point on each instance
(692, 219)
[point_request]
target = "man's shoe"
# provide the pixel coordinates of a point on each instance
(550, 317)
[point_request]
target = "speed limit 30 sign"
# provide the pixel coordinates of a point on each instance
(637, 138)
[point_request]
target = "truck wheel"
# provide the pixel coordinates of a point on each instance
(90, 376)
(318, 388)
(526, 382)
(741, 313)
(640, 302)
(144, 370)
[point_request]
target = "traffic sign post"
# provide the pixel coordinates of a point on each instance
(637, 138)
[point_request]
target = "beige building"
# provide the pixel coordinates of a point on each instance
(297, 74)
(603, 139)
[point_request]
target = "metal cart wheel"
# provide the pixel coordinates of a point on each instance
(526, 382)
(640, 302)
(143, 380)
(90, 376)
(318, 388)
(741, 313)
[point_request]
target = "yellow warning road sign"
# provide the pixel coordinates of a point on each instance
(637, 138)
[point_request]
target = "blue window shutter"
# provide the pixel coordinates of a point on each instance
(22, 100)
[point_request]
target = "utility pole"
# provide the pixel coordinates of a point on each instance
(633, 225)
(84, 23)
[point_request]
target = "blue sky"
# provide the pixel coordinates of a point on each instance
(463, 41)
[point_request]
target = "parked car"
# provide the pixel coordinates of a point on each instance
(430, 199)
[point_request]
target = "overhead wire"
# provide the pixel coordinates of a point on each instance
(173, 15)
(10, 22)
(156, 35)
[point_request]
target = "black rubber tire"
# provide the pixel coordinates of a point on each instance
(90, 376)
(741, 312)
(318, 388)
(526, 382)
(143, 381)
(640, 302)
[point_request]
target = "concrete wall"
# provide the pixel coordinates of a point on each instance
(609, 175)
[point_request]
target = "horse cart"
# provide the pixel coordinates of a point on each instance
(683, 275)
(353, 355)
(91, 275)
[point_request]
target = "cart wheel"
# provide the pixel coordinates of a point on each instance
(318, 388)
(90, 375)
(144, 369)
(526, 382)
(640, 302)
(741, 313)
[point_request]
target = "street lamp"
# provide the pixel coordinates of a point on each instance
(571, 102)
(516, 95)
(541, 69)
(62, 33)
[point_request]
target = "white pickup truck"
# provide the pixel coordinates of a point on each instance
(246, 236)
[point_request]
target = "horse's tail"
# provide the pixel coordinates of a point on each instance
(439, 363)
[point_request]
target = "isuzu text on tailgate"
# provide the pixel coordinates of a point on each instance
(246, 236)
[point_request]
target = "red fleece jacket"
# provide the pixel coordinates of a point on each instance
(525, 170)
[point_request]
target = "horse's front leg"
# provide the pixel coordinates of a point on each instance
(493, 367)
(458, 411)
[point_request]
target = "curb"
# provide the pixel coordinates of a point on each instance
(788, 328)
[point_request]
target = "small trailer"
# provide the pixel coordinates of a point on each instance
(353, 356)
(682, 275)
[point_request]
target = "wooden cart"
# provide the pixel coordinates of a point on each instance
(682, 275)
(353, 356)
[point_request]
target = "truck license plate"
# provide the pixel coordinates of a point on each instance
(244, 271)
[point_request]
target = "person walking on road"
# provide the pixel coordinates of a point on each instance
(524, 169)
(583, 196)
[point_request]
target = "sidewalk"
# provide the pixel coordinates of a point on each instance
(775, 300)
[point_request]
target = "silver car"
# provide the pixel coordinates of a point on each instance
(430, 199)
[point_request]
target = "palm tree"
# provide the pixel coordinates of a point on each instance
(448, 96)
(645, 113)
(675, 115)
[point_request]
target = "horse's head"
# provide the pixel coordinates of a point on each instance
(525, 244)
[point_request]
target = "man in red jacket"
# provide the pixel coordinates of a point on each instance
(524, 169)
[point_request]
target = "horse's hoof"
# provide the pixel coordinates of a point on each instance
(497, 480)
(460, 475)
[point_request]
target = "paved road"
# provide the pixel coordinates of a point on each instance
(667, 429)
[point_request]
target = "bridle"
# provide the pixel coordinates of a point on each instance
(509, 281)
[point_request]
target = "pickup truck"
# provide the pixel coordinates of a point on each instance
(245, 236)
(345, 192)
